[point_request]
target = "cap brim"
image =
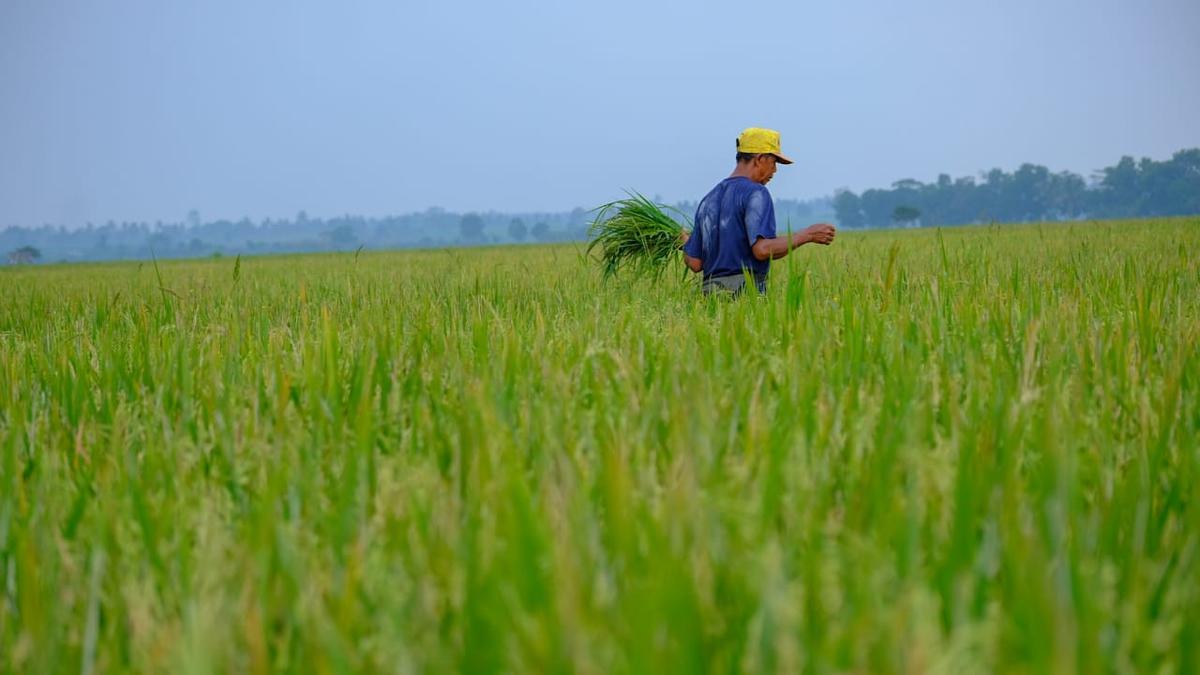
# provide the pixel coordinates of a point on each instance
(781, 159)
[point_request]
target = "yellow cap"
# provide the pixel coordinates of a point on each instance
(761, 142)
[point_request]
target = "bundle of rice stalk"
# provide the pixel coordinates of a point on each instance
(635, 233)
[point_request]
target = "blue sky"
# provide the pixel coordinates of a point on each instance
(142, 110)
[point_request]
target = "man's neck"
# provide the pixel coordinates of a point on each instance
(742, 171)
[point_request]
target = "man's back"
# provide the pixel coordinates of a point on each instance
(730, 218)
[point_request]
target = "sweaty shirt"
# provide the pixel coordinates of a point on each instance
(730, 218)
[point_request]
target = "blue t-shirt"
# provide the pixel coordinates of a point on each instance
(730, 218)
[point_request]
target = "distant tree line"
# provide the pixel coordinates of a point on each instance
(1031, 193)
(195, 237)
(1129, 189)
(433, 228)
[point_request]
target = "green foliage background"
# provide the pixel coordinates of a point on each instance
(973, 450)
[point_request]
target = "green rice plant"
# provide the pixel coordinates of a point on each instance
(919, 451)
(635, 234)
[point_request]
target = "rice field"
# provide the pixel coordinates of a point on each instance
(972, 450)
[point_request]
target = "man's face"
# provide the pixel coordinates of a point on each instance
(764, 168)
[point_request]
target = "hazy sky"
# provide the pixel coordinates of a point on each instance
(131, 110)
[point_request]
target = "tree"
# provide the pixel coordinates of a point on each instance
(517, 229)
(848, 209)
(470, 226)
(1171, 187)
(907, 184)
(24, 256)
(1118, 195)
(1067, 196)
(877, 207)
(541, 231)
(1029, 195)
(1181, 190)
(342, 235)
(159, 242)
(906, 215)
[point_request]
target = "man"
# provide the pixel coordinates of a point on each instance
(734, 230)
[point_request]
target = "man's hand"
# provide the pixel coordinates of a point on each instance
(821, 233)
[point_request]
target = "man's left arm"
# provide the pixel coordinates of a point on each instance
(693, 264)
(777, 247)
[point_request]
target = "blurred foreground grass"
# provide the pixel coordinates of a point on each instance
(973, 450)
